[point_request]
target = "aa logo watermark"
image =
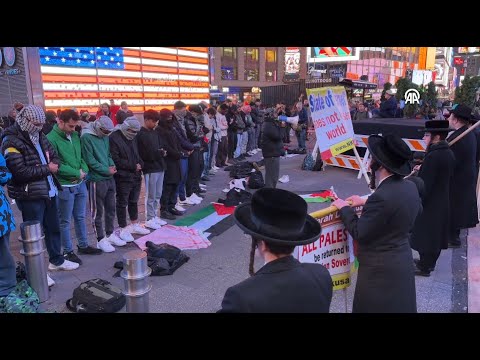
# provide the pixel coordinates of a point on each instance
(412, 96)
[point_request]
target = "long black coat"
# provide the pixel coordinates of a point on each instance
(386, 282)
(282, 286)
(171, 144)
(463, 198)
(432, 227)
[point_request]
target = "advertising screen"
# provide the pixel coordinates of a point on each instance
(329, 54)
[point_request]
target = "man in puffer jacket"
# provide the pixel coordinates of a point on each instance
(272, 148)
(33, 163)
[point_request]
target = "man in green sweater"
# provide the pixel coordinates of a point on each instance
(72, 200)
(96, 153)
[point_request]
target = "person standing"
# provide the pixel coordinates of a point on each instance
(222, 152)
(101, 187)
(123, 113)
(152, 152)
(72, 200)
(432, 228)
(463, 197)
(277, 221)
(386, 280)
(128, 178)
(33, 163)
(272, 148)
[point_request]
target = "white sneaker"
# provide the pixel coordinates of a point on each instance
(194, 199)
(138, 229)
(254, 152)
(187, 201)
(215, 168)
(159, 221)
(152, 224)
(66, 265)
(50, 281)
(105, 245)
(125, 235)
(259, 149)
(115, 240)
(179, 207)
(203, 186)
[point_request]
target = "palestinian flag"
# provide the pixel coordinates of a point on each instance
(320, 197)
(213, 219)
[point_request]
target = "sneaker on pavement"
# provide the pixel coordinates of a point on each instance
(66, 265)
(124, 235)
(105, 245)
(50, 281)
(214, 167)
(89, 250)
(194, 200)
(71, 256)
(115, 240)
(160, 221)
(175, 212)
(187, 201)
(168, 216)
(138, 229)
(152, 224)
(179, 207)
(203, 186)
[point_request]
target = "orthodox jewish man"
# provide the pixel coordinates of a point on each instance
(277, 221)
(386, 281)
(432, 228)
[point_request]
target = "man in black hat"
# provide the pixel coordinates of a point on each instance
(431, 231)
(386, 282)
(277, 221)
(463, 199)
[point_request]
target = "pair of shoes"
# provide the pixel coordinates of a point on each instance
(66, 265)
(89, 250)
(71, 256)
(167, 215)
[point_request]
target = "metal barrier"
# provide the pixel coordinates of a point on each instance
(135, 275)
(33, 248)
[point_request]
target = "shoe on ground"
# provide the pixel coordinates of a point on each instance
(167, 215)
(418, 266)
(89, 250)
(214, 167)
(152, 224)
(175, 212)
(194, 199)
(205, 178)
(71, 256)
(125, 235)
(105, 245)
(179, 207)
(199, 195)
(138, 229)
(185, 202)
(115, 240)
(160, 221)
(50, 281)
(212, 172)
(424, 273)
(201, 191)
(66, 265)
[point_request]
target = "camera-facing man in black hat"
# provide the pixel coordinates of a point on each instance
(277, 221)
(431, 231)
(463, 198)
(386, 281)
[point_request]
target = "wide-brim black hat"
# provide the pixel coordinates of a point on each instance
(436, 126)
(277, 216)
(391, 152)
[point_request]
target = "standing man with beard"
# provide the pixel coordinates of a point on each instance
(463, 199)
(386, 281)
(431, 231)
(33, 163)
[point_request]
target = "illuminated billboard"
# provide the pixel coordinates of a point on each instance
(292, 60)
(468, 50)
(329, 54)
(144, 77)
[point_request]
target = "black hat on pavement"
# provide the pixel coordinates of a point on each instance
(391, 152)
(277, 216)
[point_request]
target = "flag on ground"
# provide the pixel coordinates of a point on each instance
(320, 197)
(213, 219)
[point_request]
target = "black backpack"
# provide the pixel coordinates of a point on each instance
(255, 180)
(96, 296)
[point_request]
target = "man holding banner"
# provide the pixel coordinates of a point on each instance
(277, 221)
(386, 282)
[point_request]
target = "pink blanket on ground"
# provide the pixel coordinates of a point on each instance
(182, 237)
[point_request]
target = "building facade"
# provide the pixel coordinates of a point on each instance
(239, 72)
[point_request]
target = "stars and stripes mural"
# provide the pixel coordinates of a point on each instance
(145, 77)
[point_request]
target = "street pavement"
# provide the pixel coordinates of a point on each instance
(199, 285)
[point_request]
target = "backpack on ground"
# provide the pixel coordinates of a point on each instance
(96, 296)
(255, 180)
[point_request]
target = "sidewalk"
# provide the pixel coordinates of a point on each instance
(474, 270)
